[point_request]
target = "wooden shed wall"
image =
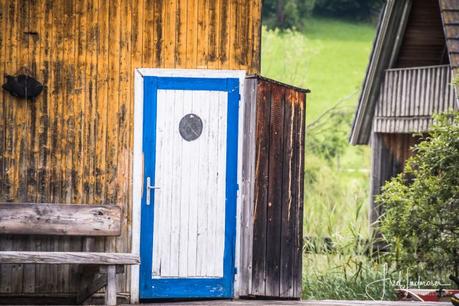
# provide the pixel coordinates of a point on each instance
(273, 171)
(73, 143)
(410, 96)
(424, 42)
(389, 154)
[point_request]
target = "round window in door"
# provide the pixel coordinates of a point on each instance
(190, 127)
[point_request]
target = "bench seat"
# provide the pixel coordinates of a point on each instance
(97, 269)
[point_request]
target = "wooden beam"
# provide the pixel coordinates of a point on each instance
(60, 219)
(88, 258)
(110, 290)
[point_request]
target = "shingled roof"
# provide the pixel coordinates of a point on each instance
(389, 38)
(450, 17)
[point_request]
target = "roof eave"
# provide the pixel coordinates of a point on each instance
(385, 50)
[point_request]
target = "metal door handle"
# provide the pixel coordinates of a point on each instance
(149, 187)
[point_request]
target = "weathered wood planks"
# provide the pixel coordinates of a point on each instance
(389, 154)
(73, 144)
(410, 96)
(271, 241)
(86, 258)
(60, 219)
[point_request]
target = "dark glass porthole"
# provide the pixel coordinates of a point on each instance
(190, 127)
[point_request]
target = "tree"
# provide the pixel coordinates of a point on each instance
(421, 205)
(351, 9)
(286, 14)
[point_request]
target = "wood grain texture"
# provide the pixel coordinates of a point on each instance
(60, 219)
(87, 258)
(424, 41)
(389, 154)
(73, 143)
(271, 260)
(410, 96)
(248, 187)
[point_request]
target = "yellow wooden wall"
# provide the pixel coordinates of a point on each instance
(73, 143)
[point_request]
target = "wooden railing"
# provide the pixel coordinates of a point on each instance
(409, 97)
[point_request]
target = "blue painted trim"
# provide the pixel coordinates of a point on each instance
(192, 84)
(151, 288)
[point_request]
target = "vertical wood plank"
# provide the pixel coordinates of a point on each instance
(202, 34)
(192, 37)
(181, 22)
(213, 31)
(123, 146)
(274, 210)
(113, 104)
(298, 262)
(101, 101)
(223, 38)
(3, 95)
(170, 33)
(248, 186)
(288, 216)
(261, 187)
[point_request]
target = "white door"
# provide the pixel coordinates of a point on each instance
(189, 201)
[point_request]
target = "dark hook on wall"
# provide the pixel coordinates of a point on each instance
(22, 86)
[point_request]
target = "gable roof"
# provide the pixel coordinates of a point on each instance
(386, 47)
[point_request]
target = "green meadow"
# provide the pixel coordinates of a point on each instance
(330, 57)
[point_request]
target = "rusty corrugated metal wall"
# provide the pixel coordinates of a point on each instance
(73, 143)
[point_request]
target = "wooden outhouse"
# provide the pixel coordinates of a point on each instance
(143, 106)
(409, 78)
(272, 189)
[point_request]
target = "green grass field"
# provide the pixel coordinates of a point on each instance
(330, 58)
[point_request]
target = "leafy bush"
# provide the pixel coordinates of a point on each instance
(421, 205)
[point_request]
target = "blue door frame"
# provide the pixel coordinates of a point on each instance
(151, 288)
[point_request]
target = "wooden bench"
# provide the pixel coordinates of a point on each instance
(97, 269)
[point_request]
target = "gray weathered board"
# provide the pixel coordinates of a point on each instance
(410, 96)
(87, 258)
(60, 219)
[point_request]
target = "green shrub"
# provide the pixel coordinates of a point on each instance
(421, 205)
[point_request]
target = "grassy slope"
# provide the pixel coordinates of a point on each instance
(329, 57)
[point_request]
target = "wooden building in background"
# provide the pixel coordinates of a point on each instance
(75, 142)
(409, 79)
